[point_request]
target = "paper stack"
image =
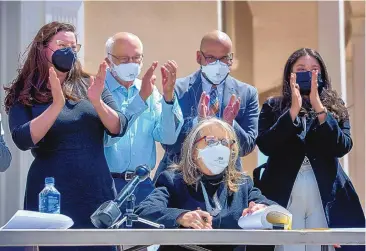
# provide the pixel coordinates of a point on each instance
(34, 220)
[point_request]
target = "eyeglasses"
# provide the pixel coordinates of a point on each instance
(225, 59)
(124, 60)
(62, 44)
(213, 141)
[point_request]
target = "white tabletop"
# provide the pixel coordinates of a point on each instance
(97, 237)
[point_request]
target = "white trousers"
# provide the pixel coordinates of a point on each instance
(306, 207)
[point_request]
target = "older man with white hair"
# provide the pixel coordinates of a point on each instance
(155, 117)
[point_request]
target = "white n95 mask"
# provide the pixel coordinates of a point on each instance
(216, 72)
(216, 158)
(127, 72)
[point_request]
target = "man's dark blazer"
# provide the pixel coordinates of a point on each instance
(188, 90)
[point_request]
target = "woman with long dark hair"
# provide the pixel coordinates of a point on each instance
(304, 132)
(61, 113)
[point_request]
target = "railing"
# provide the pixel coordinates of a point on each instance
(146, 237)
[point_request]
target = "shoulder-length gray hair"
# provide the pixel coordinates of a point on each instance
(188, 167)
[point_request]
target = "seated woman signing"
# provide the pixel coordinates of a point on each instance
(205, 190)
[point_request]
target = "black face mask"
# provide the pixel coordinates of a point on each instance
(304, 81)
(64, 59)
(213, 178)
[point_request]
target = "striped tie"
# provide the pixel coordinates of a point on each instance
(214, 102)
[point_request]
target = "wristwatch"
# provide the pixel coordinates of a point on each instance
(172, 101)
(322, 112)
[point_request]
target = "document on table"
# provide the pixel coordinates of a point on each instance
(23, 219)
(267, 218)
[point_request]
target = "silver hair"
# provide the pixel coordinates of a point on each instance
(108, 46)
(110, 42)
(187, 165)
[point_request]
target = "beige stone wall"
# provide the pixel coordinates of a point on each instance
(277, 34)
(168, 30)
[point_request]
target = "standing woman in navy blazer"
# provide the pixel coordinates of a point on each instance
(61, 114)
(304, 134)
(204, 190)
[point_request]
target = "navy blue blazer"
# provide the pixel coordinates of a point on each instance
(286, 145)
(188, 90)
(172, 197)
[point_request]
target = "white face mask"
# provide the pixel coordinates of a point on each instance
(127, 72)
(216, 158)
(216, 72)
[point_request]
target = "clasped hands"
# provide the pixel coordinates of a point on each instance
(296, 99)
(199, 219)
(169, 76)
(230, 111)
(95, 89)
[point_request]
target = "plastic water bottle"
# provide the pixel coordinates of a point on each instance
(49, 198)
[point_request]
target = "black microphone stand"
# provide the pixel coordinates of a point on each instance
(130, 217)
(108, 214)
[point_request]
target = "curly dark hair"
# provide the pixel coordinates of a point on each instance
(329, 97)
(30, 86)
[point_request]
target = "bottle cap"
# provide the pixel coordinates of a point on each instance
(50, 180)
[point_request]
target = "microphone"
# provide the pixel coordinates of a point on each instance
(108, 213)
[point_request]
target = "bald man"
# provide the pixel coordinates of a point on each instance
(211, 91)
(154, 117)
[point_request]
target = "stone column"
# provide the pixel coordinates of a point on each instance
(238, 20)
(14, 17)
(357, 170)
(220, 21)
(331, 45)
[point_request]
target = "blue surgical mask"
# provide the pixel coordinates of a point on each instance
(216, 72)
(127, 72)
(64, 59)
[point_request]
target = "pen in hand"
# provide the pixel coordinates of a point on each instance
(203, 218)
